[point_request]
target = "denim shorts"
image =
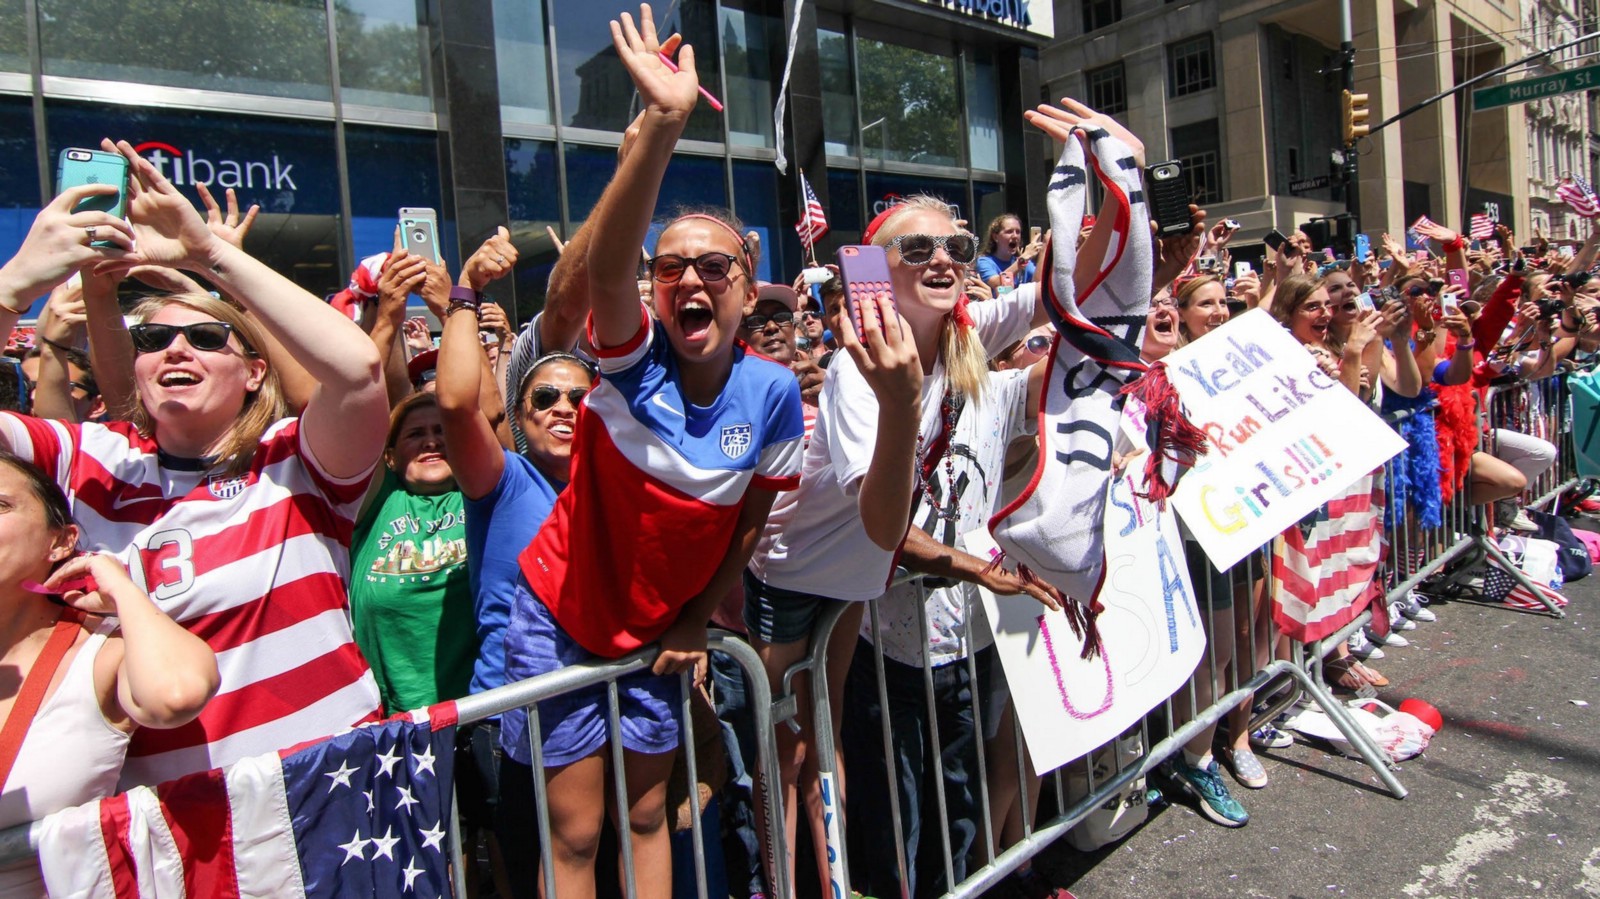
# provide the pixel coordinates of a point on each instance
(573, 725)
(775, 615)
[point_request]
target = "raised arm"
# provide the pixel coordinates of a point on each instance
(61, 329)
(623, 215)
(345, 421)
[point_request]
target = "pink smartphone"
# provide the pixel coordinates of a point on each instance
(865, 271)
(1457, 278)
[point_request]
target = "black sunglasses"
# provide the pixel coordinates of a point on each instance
(207, 337)
(1417, 290)
(918, 249)
(668, 268)
(757, 322)
(544, 396)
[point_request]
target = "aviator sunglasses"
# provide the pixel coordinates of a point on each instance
(544, 396)
(918, 249)
(207, 337)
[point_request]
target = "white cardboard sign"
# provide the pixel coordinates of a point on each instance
(1283, 437)
(1150, 634)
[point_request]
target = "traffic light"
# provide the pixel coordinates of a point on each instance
(1355, 117)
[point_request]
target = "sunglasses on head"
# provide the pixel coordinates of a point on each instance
(918, 249)
(757, 322)
(544, 396)
(209, 337)
(669, 268)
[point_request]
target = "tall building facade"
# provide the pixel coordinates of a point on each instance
(1559, 126)
(333, 114)
(1246, 93)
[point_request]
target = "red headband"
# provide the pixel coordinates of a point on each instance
(744, 251)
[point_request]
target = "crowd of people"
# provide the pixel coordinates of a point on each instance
(240, 518)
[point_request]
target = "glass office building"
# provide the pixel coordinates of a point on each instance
(333, 114)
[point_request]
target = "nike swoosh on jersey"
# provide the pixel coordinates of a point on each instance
(661, 401)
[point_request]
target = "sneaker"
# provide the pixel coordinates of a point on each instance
(1397, 618)
(1521, 522)
(1362, 647)
(1390, 639)
(1267, 736)
(1589, 505)
(1247, 768)
(1216, 802)
(1416, 608)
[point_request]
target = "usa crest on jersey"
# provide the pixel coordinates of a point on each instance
(226, 487)
(736, 440)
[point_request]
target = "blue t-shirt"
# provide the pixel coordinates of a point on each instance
(991, 267)
(498, 527)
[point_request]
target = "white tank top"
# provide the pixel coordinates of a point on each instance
(70, 756)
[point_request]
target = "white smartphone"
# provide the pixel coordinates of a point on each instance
(1240, 269)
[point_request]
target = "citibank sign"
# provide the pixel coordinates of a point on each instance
(1037, 16)
(188, 167)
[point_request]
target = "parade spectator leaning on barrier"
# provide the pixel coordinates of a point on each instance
(87, 672)
(211, 488)
(677, 388)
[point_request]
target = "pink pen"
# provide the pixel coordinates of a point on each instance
(715, 103)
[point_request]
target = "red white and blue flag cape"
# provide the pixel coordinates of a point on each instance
(365, 813)
(1325, 575)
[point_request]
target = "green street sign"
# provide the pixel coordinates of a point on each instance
(1570, 81)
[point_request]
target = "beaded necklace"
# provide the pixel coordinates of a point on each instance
(948, 410)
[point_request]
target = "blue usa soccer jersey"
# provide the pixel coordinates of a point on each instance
(657, 484)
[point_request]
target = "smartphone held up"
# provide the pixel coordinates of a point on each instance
(77, 167)
(865, 271)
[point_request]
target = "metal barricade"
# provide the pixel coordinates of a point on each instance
(20, 842)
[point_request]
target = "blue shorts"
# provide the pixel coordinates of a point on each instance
(573, 726)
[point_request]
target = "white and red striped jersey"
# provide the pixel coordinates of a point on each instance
(256, 565)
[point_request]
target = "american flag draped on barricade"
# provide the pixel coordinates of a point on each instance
(1324, 575)
(1576, 192)
(364, 813)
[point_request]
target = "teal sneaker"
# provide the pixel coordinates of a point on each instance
(1216, 802)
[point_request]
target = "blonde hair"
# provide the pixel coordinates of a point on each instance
(966, 364)
(262, 407)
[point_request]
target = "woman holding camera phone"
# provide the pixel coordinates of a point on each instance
(212, 486)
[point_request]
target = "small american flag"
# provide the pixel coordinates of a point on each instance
(1577, 193)
(1500, 586)
(1482, 226)
(813, 224)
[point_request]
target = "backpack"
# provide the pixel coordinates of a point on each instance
(1574, 556)
(1124, 811)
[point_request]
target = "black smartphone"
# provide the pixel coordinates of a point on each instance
(1274, 239)
(1169, 198)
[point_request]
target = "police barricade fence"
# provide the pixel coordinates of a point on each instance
(1243, 664)
(21, 842)
(1248, 675)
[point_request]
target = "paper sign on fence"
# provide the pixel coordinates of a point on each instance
(1150, 634)
(1283, 437)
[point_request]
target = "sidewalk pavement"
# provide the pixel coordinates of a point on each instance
(1505, 802)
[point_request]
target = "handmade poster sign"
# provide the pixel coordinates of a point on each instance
(1282, 437)
(1150, 635)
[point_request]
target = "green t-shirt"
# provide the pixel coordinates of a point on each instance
(409, 596)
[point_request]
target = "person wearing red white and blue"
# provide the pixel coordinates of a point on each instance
(681, 448)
